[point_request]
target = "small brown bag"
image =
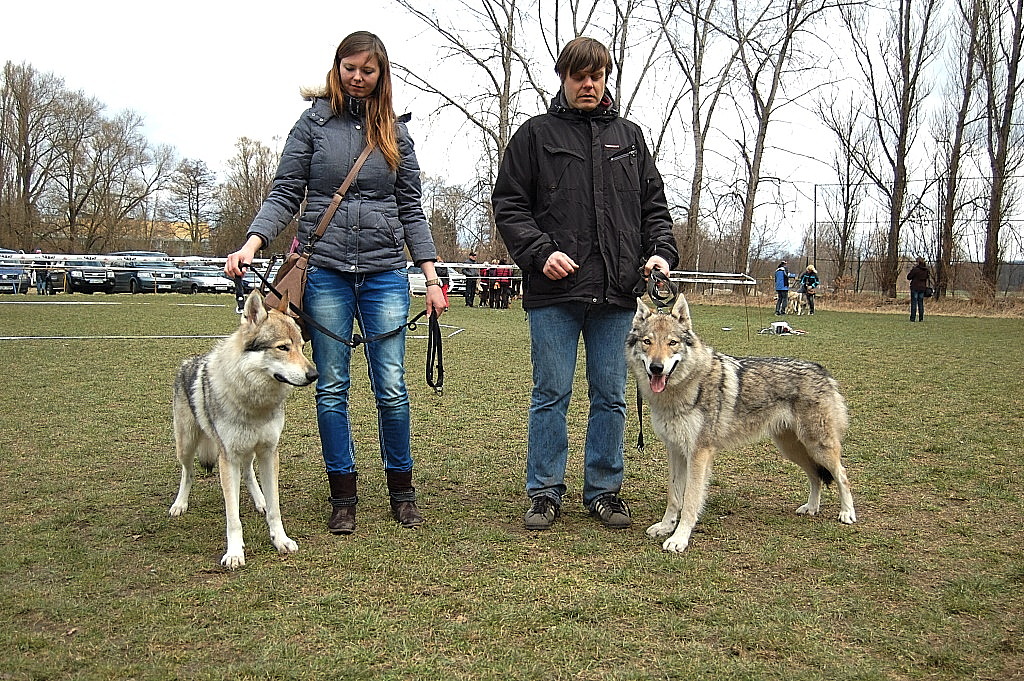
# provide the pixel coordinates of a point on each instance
(290, 280)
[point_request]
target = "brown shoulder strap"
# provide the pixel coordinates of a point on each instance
(325, 219)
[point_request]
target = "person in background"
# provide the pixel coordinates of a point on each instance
(503, 284)
(581, 207)
(472, 274)
(782, 281)
(809, 285)
(358, 269)
(918, 278)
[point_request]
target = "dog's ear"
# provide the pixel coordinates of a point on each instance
(681, 311)
(254, 311)
(642, 311)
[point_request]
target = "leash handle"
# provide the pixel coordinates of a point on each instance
(435, 357)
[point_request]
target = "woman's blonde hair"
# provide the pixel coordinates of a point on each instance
(380, 113)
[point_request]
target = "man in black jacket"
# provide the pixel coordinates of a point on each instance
(582, 210)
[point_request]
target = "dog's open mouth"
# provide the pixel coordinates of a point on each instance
(658, 382)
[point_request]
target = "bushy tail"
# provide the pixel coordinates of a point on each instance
(207, 454)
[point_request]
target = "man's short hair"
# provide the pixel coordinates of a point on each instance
(583, 54)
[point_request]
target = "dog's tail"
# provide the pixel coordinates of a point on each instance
(206, 454)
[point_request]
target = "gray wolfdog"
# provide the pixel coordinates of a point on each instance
(229, 410)
(703, 401)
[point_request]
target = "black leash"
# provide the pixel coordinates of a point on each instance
(434, 355)
(663, 293)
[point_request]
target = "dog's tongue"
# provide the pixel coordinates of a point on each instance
(658, 382)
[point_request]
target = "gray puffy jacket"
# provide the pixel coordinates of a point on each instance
(381, 212)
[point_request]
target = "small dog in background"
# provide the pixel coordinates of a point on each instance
(229, 410)
(703, 401)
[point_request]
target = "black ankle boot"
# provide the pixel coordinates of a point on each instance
(403, 498)
(343, 503)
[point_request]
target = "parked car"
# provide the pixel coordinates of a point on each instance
(205, 279)
(149, 276)
(250, 281)
(417, 280)
(88, 276)
(14, 276)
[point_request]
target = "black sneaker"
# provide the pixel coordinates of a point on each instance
(541, 514)
(612, 511)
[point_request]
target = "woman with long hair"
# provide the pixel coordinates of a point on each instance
(358, 268)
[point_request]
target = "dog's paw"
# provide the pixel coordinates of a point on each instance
(675, 544)
(285, 546)
(807, 509)
(178, 508)
(848, 517)
(661, 529)
(233, 561)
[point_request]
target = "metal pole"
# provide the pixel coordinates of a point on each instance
(815, 218)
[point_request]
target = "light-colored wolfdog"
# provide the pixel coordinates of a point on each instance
(798, 304)
(229, 410)
(703, 401)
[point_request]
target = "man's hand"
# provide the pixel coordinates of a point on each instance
(656, 262)
(559, 266)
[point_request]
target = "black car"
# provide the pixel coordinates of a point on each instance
(88, 276)
(149, 276)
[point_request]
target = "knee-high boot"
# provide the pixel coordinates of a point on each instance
(403, 498)
(343, 503)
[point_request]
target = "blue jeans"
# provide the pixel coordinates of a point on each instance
(917, 305)
(380, 302)
(555, 331)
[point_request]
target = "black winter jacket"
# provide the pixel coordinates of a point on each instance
(585, 184)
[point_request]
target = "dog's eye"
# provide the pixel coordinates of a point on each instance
(284, 347)
(672, 343)
(647, 341)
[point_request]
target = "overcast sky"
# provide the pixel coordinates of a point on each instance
(203, 74)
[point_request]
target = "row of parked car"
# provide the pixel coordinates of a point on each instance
(121, 272)
(151, 272)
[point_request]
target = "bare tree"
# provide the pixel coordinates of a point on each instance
(128, 172)
(30, 123)
(692, 29)
(250, 173)
(1002, 36)
(74, 176)
(192, 193)
(768, 44)
(843, 206)
(893, 60)
(953, 130)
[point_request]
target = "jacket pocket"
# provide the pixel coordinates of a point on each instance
(624, 169)
(560, 169)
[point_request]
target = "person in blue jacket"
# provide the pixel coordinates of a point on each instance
(782, 280)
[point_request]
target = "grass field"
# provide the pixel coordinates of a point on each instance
(99, 583)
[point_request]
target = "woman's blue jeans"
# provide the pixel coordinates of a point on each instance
(555, 331)
(917, 305)
(380, 303)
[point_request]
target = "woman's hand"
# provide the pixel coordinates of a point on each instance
(437, 303)
(243, 256)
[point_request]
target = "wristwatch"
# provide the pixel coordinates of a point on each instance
(432, 282)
